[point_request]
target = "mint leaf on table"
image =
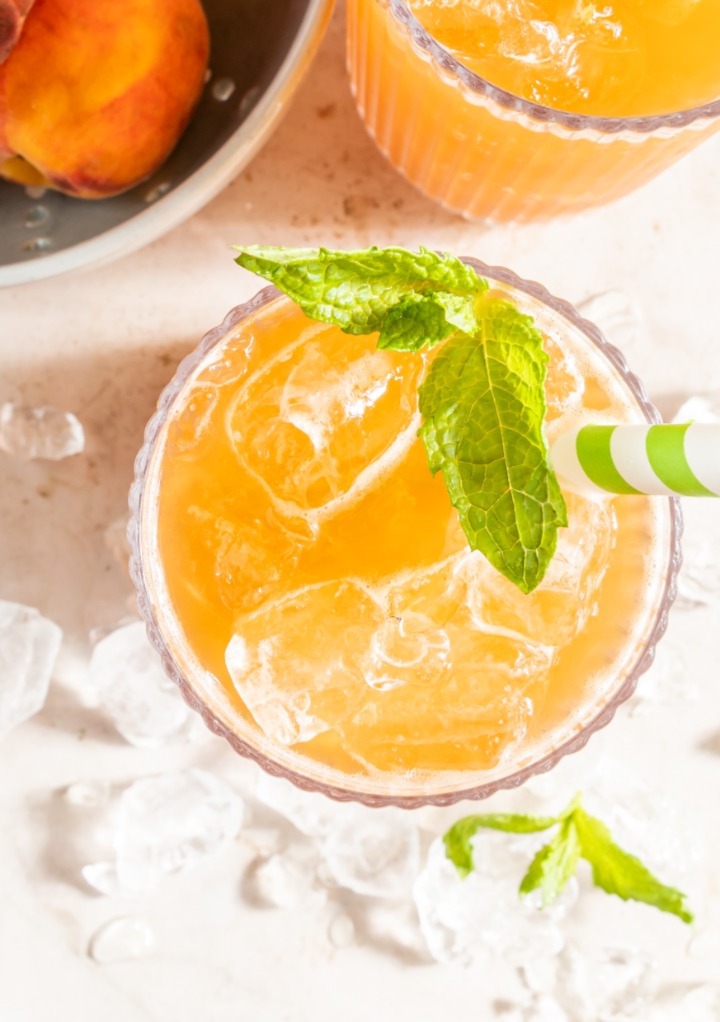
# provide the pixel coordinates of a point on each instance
(554, 864)
(458, 840)
(620, 873)
(579, 835)
(483, 402)
(483, 405)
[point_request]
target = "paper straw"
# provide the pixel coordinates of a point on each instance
(667, 460)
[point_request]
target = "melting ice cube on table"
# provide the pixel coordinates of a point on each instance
(122, 940)
(30, 433)
(284, 880)
(144, 704)
(610, 983)
(481, 914)
(165, 824)
(376, 854)
(29, 645)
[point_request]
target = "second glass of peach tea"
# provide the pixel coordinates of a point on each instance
(310, 589)
(526, 109)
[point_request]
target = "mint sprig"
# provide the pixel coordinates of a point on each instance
(483, 402)
(579, 836)
(483, 405)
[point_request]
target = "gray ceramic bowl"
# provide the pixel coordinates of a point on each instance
(260, 50)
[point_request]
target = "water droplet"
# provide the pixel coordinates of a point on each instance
(158, 191)
(36, 216)
(250, 99)
(121, 940)
(341, 931)
(33, 192)
(37, 245)
(223, 89)
(207, 76)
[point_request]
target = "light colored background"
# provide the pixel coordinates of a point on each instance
(103, 343)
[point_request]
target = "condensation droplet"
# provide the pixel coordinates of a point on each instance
(223, 89)
(36, 217)
(37, 245)
(341, 931)
(121, 940)
(158, 191)
(34, 192)
(250, 99)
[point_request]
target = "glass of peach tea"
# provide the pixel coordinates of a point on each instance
(350, 546)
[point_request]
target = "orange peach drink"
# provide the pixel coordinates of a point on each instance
(544, 145)
(311, 575)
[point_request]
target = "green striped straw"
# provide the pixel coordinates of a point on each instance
(667, 460)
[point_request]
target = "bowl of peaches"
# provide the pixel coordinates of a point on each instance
(120, 120)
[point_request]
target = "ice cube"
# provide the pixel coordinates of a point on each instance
(618, 315)
(297, 663)
(341, 931)
(313, 815)
(699, 408)
(103, 878)
(556, 611)
(607, 983)
(404, 649)
(166, 823)
(392, 927)
(376, 854)
(699, 579)
(49, 433)
(264, 550)
(284, 880)
(88, 794)
(323, 418)
(565, 386)
(122, 940)
(116, 541)
(481, 915)
(29, 645)
(144, 704)
(669, 682)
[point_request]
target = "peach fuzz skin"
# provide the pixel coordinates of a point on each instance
(93, 97)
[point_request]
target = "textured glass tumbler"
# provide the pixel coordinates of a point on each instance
(485, 153)
(206, 694)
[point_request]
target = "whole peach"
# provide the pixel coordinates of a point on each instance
(95, 93)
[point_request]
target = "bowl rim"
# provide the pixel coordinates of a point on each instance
(201, 186)
(641, 662)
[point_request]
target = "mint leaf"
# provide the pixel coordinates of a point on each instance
(415, 322)
(483, 403)
(356, 290)
(620, 873)
(579, 836)
(458, 840)
(554, 864)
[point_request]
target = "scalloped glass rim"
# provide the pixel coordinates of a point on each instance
(202, 186)
(573, 122)
(577, 741)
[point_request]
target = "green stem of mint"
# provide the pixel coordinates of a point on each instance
(483, 401)
(578, 836)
